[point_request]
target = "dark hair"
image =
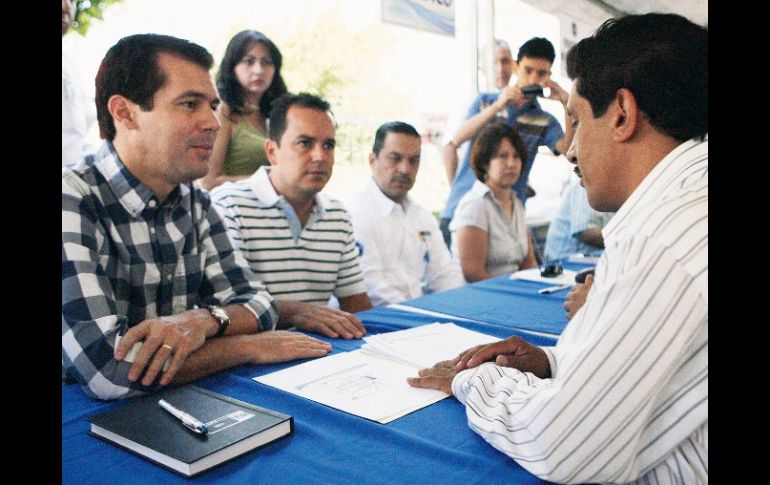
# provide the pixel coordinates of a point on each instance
(391, 127)
(487, 143)
(661, 58)
(230, 90)
(130, 68)
(277, 124)
(537, 47)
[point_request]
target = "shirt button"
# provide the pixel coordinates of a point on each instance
(152, 230)
(169, 277)
(151, 203)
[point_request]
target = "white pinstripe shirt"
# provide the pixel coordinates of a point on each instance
(628, 399)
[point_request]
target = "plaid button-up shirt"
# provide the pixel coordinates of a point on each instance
(126, 258)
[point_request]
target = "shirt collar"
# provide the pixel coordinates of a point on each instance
(668, 175)
(267, 196)
(481, 189)
(382, 202)
(133, 195)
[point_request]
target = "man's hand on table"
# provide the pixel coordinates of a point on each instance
(577, 296)
(511, 352)
(321, 319)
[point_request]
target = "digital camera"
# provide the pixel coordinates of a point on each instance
(533, 90)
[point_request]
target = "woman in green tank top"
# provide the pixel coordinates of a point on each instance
(248, 81)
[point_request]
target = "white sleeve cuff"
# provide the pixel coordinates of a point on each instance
(460, 384)
(551, 359)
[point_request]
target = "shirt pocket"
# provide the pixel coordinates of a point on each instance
(423, 257)
(116, 280)
(187, 282)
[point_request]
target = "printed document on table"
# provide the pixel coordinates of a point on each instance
(533, 274)
(356, 383)
(373, 384)
(425, 345)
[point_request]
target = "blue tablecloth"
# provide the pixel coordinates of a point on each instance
(386, 319)
(431, 445)
(512, 304)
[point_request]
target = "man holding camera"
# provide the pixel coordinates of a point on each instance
(520, 108)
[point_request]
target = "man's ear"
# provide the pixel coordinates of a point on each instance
(372, 159)
(625, 118)
(270, 149)
(123, 111)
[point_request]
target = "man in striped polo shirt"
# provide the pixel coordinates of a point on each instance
(623, 396)
(296, 239)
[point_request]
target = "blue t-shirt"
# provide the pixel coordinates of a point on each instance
(535, 126)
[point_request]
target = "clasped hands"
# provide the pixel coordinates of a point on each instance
(511, 352)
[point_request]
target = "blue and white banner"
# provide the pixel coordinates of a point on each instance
(430, 15)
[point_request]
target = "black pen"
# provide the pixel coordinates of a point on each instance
(188, 420)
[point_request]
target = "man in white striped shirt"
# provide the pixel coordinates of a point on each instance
(623, 396)
(297, 240)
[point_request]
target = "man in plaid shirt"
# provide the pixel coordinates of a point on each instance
(142, 248)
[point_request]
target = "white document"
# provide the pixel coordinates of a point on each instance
(372, 386)
(356, 383)
(533, 274)
(423, 346)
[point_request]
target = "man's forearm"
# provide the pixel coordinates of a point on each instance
(355, 303)
(473, 125)
(564, 144)
(242, 320)
(450, 160)
(216, 355)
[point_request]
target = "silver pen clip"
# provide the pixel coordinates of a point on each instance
(188, 420)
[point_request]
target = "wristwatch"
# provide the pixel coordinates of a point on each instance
(222, 317)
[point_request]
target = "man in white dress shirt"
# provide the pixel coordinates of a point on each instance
(623, 396)
(403, 254)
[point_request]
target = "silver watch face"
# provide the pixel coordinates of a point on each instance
(220, 314)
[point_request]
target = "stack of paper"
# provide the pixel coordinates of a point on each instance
(425, 345)
(371, 382)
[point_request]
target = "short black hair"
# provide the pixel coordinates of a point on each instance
(277, 123)
(487, 143)
(130, 68)
(391, 127)
(537, 48)
(230, 90)
(661, 58)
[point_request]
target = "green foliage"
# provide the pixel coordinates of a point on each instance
(322, 58)
(88, 10)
